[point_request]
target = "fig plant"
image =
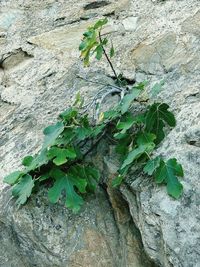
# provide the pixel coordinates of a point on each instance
(63, 164)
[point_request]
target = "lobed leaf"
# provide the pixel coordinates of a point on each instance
(167, 173)
(22, 190)
(67, 184)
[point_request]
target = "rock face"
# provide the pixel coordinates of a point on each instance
(154, 40)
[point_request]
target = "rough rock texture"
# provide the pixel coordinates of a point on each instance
(39, 61)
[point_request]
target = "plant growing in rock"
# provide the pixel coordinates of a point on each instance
(63, 164)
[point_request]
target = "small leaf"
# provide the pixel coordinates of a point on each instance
(27, 160)
(100, 23)
(117, 181)
(22, 190)
(112, 51)
(145, 138)
(13, 177)
(38, 161)
(51, 133)
(99, 52)
(97, 130)
(83, 132)
(133, 155)
(156, 88)
(70, 113)
(152, 165)
(78, 102)
(127, 121)
(44, 177)
(83, 45)
(61, 155)
(128, 99)
(145, 145)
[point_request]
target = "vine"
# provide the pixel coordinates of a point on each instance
(62, 163)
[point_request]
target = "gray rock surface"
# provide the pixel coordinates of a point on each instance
(154, 40)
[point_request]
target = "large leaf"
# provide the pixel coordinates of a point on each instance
(61, 155)
(67, 183)
(51, 133)
(156, 118)
(22, 190)
(167, 173)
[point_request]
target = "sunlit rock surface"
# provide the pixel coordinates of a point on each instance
(39, 61)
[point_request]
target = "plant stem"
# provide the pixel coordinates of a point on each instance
(108, 59)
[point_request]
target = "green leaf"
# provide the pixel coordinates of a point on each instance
(128, 99)
(123, 144)
(97, 130)
(22, 190)
(27, 160)
(51, 133)
(69, 113)
(141, 85)
(145, 138)
(90, 174)
(67, 184)
(117, 181)
(167, 173)
(38, 161)
(83, 45)
(99, 52)
(133, 155)
(145, 145)
(100, 23)
(79, 101)
(127, 121)
(61, 155)
(66, 137)
(92, 177)
(44, 177)
(13, 177)
(152, 165)
(83, 132)
(111, 114)
(120, 135)
(156, 88)
(156, 118)
(112, 51)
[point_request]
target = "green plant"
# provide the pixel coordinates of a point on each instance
(63, 165)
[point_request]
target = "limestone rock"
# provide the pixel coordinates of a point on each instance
(154, 40)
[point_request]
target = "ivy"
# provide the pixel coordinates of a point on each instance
(64, 166)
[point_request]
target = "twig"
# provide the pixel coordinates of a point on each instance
(107, 57)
